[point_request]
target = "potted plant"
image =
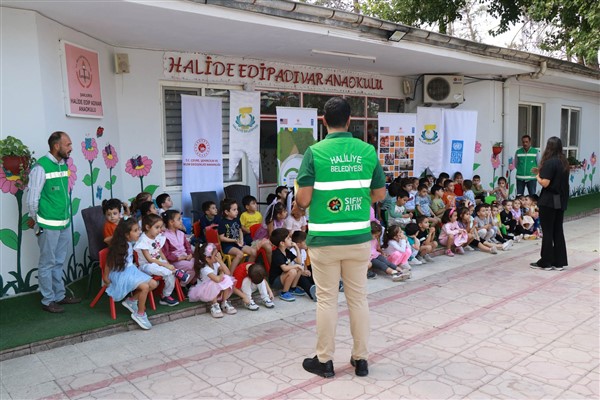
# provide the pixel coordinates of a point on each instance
(16, 157)
(497, 148)
(573, 162)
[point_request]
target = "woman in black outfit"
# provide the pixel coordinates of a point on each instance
(553, 176)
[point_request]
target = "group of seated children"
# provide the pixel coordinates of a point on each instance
(458, 210)
(144, 246)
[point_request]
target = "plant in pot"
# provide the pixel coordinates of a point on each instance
(574, 163)
(16, 158)
(497, 148)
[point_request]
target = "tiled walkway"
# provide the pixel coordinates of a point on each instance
(476, 326)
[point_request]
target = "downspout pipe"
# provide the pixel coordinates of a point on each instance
(534, 75)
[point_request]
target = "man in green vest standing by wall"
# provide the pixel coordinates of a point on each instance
(339, 178)
(526, 158)
(48, 203)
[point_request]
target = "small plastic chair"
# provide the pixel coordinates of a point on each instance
(212, 236)
(253, 229)
(102, 261)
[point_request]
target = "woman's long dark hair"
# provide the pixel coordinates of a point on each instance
(554, 149)
(118, 247)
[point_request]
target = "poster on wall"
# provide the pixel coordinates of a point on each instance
(81, 81)
(396, 144)
(202, 147)
(244, 130)
(297, 129)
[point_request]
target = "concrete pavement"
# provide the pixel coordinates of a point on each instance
(476, 326)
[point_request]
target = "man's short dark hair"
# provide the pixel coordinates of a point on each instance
(246, 200)
(278, 235)
(337, 112)
(55, 138)
(206, 205)
(526, 137)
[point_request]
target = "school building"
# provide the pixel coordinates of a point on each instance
(296, 55)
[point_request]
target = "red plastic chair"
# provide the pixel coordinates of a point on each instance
(253, 230)
(160, 285)
(102, 260)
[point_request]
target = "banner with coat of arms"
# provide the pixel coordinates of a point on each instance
(202, 147)
(244, 130)
(445, 141)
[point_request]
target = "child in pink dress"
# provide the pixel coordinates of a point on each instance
(452, 234)
(177, 249)
(396, 247)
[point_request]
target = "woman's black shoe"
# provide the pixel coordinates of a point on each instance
(361, 367)
(535, 265)
(314, 366)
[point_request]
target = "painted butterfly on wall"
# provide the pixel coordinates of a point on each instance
(137, 162)
(99, 193)
(99, 132)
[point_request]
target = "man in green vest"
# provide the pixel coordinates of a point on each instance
(527, 159)
(48, 203)
(340, 177)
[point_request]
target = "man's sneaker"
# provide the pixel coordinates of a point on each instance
(314, 366)
(141, 320)
(298, 292)
(459, 250)
(449, 253)
(183, 276)
(131, 305)
(414, 261)
(313, 292)
(228, 308)
(423, 260)
(215, 311)
(268, 303)
(287, 296)
(493, 250)
(428, 258)
(371, 274)
(251, 306)
(507, 245)
(168, 301)
(361, 367)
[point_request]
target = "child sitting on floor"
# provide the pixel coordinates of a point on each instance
(452, 235)
(396, 248)
(398, 215)
(426, 236)
(285, 272)
(378, 261)
(250, 277)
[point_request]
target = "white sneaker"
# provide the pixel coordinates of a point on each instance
(507, 245)
(493, 250)
(251, 306)
(405, 267)
(268, 303)
(518, 238)
(228, 308)
(398, 277)
(414, 261)
(215, 311)
(428, 258)
(423, 260)
(468, 248)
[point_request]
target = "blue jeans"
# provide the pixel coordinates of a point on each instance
(531, 186)
(53, 252)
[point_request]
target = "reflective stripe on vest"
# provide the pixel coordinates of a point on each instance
(51, 222)
(339, 226)
(54, 175)
(337, 185)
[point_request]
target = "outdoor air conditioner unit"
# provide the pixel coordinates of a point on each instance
(443, 89)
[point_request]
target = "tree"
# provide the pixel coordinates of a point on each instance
(569, 26)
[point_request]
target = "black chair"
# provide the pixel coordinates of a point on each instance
(200, 197)
(237, 192)
(93, 218)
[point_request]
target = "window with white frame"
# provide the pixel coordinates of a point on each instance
(530, 123)
(569, 130)
(172, 132)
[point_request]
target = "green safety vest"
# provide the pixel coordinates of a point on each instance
(343, 169)
(53, 207)
(525, 161)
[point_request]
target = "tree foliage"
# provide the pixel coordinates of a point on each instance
(575, 24)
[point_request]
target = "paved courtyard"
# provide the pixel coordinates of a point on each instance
(476, 326)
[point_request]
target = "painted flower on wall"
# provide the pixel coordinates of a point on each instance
(495, 161)
(89, 148)
(511, 164)
(72, 173)
(110, 156)
(477, 147)
(139, 166)
(593, 159)
(9, 183)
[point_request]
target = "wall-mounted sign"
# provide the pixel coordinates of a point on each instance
(81, 80)
(211, 69)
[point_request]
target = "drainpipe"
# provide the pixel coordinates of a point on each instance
(534, 75)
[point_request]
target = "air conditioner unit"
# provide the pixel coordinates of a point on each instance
(443, 89)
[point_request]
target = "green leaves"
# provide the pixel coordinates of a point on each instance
(151, 189)
(9, 238)
(476, 165)
(75, 205)
(90, 181)
(109, 184)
